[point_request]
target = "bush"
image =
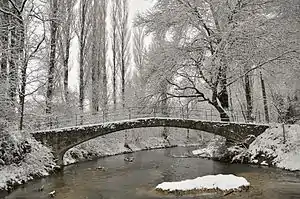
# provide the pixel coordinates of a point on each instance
(12, 150)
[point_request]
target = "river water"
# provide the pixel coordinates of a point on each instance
(136, 180)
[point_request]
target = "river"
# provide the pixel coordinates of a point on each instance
(136, 180)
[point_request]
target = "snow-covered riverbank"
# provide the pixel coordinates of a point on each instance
(272, 149)
(276, 147)
(19, 166)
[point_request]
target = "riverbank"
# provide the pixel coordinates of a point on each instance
(269, 149)
(23, 159)
(277, 147)
(138, 179)
(39, 162)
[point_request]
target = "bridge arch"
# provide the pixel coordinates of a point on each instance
(61, 140)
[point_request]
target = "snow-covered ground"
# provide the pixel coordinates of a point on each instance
(270, 148)
(39, 162)
(209, 182)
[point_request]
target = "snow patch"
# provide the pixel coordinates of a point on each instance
(209, 182)
(264, 163)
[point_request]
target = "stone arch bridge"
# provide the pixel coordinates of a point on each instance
(62, 139)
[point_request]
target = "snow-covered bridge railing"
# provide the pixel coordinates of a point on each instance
(76, 119)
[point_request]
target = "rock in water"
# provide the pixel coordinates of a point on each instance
(101, 168)
(129, 159)
(41, 188)
(52, 194)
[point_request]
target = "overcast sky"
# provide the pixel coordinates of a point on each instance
(139, 6)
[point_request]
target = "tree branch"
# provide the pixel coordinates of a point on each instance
(199, 94)
(23, 6)
(185, 96)
(11, 14)
(15, 7)
(37, 47)
(260, 65)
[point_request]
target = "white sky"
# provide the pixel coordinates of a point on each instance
(136, 6)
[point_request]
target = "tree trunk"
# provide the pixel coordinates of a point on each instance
(223, 96)
(114, 51)
(223, 115)
(66, 71)
(22, 93)
(3, 42)
(67, 50)
(114, 83)
(103, 59)
(124, 34)
(265, 101)
(94, 61)
(123, 79)
(164, 106)
(95, 101)
(65, 35)
(104, 82)
(248, 95)
(12, 60)
(123, 51)
(52, 58)
(81, 54)
(23, 83)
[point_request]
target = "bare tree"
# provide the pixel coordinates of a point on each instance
(65, 34)
(248, 95)
(32, 43)
(124, 35)
(12, 44)
(4, 39)
(52, 56)
(98, 58)
(83, 32)
(265, 100)
(114, 43)
(103, 54)
(5, 105)
(95, 58)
